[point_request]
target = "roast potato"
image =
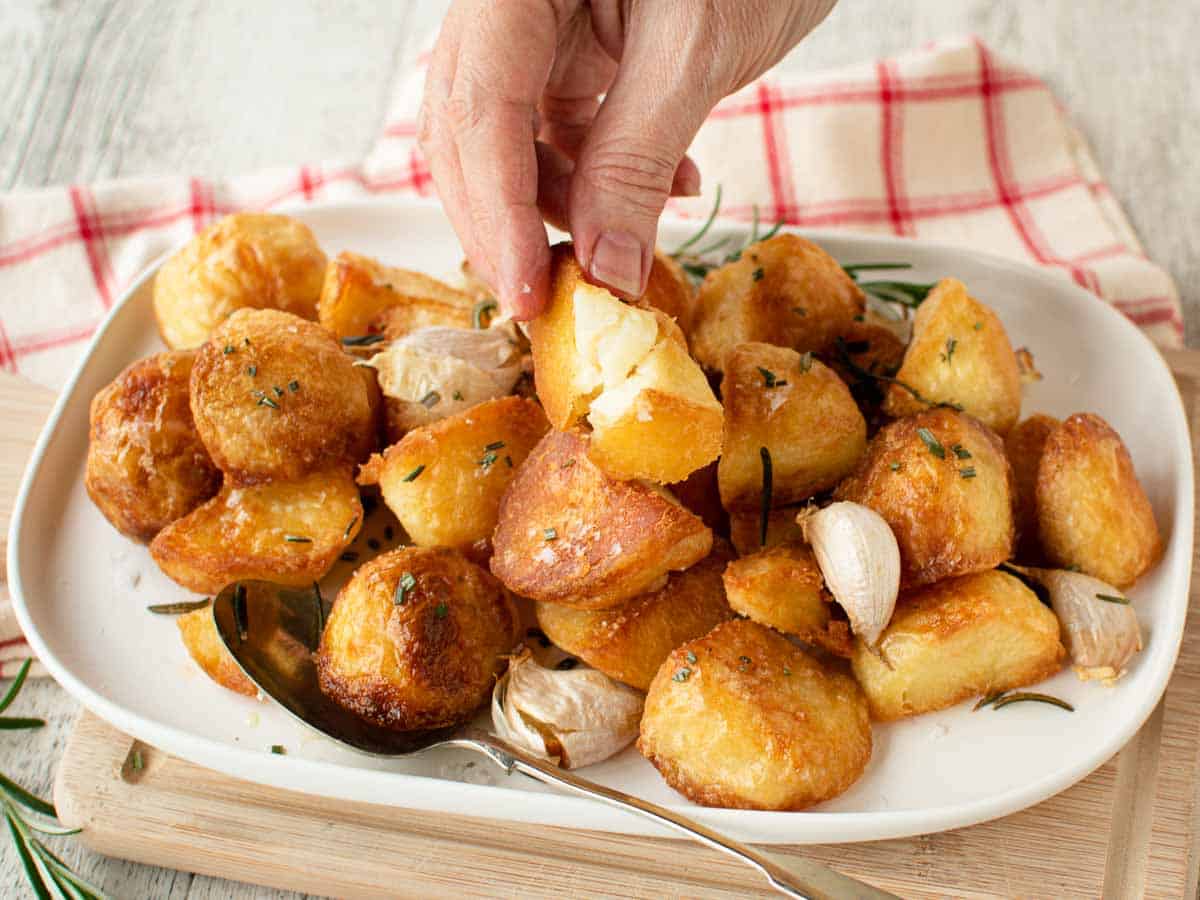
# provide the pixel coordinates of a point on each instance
(1092, 511)
(146, 466)
(626, 368)
(204, 645)
(800, 411)
(782, 587)
(699, 493)
(785, 290)
(630, 641)
(568, 533)
(290, 532)
(941, 481)
(444, 481)
(360, 296)
(745, 528)
(1023, 447)
(743, 718)
(959, 353)
(669, 290)
(416, 639)
(971, 635)
(274, 397)
(867, 349)
(256, 260)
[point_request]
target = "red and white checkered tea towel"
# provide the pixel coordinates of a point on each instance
(948, 143)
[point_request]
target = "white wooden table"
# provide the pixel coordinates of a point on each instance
(95, 89)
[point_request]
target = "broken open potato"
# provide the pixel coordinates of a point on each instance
(360, 296)
(959, 638)
(444, 481)
(290, 532)
(626, 369)
(1092, 511)
(785, 290)
(568, 533)
(959, 353)
(629, 642)
(800, 411)
(258, 260)
(941, 481)
(198, 631)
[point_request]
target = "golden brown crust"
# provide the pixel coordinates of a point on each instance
(552, 343)
(463, 464)
(567, 533)
(274, 397)
(785, 291)
(742, 718)
(146, 466)
(951, 514)
(959, 353)
(1092, 511)
(257, 260)
(427, 660)
(745, 528)
(669, 290)
(957, 639)
(242, 534)
(798, 409)
(699, 493)
(1023, 447)
(199, 634)
(360, 295)
(872, 347)
(630, 641)
(782, 587)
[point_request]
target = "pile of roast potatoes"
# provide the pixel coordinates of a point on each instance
(612, 500)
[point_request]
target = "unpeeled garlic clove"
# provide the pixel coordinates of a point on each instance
(860, 562)
(1101, 635)
(575, 717)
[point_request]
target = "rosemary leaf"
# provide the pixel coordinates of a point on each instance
(13, 723)
(414, 474)
(1113, 598)
(15, 687)
(32, 872)
(987, 700)
(362, 340)
(695, 238)
(1020, 696)
(931, 442)
(853, 269)
(22, 796)
(767, 490)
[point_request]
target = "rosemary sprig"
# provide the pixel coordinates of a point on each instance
(362, 340)
(697, 262)
(1000, 699)
(177, 609)
(767, 491)
(844, 356)
(695, 238)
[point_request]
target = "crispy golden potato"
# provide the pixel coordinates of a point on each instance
(1023, 447)
(290, 532)
(416, 639)
(798, 409)
(868, 347)
(669, 290)
(699, 493)
(743, 718)
(274, 397)
(360, 295)
(626, 368)
(258, 260)
(941, 481)
(569, 534)
(745, 528)
(1092, 511)
(204, 645)
(785, 291)
(146, 466)
(630, 642)
(782, 587)
(959, 353)
(976, 634)
(444, 481)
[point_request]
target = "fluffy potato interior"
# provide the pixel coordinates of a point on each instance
(743, 718)
(199, 634)
(956, 639)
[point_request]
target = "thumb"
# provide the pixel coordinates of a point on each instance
(630, 159)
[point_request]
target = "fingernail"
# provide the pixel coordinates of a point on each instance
(617, 261)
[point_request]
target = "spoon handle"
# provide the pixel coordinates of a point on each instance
(790, 876)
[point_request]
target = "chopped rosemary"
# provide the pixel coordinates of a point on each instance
(279, 749)
(1113, 598)
(488, 459)
(931, 442)
(550, 534)
(800, 310)
(404, 587)
(758, 275)
(362, 340)
(904, 293)
(968, 472)
(482, 308)
(264, 400)
(770, 379)
(1020, 696)
(682, 674)
(251, 371)
(744, 663)
(765, 511)
(566, 665)
(961, 452)
(567, 464)
(177, 609)
(979, 326)
(441, 610)
(806, 361)
(293, 385)
(430, 400)
(787, 671)
(414, 474)
(457, 395)
(951, 343)
(494, 445)
(895, 466)
(278, 390)
(297, 539)
(856, 369)
(229, 348)
(136, 761)
(246, 341)
(690, 657)
(349, 528)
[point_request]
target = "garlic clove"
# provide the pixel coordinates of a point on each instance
(575, 717)
(1100, 628)
(860, 562)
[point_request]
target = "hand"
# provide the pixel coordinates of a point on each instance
(514, 129)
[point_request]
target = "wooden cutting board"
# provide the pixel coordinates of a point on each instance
(1128, 830)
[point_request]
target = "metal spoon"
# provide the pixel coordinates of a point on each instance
(272, 631)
